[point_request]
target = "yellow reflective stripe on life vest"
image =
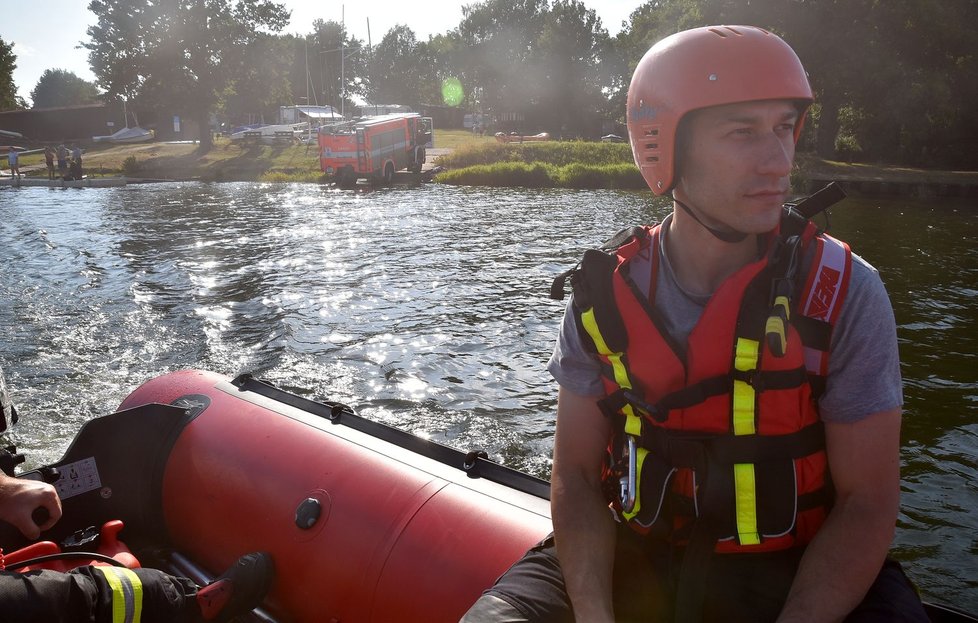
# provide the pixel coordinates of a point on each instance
(127, 594)
(591, 326)
(746, 359)
(746, 503)
(633, 423)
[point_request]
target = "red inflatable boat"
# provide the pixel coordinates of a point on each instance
(365, 522)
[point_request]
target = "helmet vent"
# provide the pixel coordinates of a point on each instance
(652, 132)
(651, 158)
(651, 145)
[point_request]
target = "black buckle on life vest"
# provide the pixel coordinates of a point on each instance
(613, 404)
(763, 380)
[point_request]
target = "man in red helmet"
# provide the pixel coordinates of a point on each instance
(729, 380)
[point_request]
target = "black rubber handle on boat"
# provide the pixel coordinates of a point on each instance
(40, 516)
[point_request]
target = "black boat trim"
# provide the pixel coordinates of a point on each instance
(474, 463)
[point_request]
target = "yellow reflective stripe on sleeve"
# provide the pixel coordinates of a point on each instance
(745, 360)
(746, 504)
(127, 594)
(745, 493)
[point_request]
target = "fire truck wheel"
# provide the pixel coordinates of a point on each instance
(418, 160)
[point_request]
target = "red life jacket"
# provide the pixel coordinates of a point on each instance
(728, 435)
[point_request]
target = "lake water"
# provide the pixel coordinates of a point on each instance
(427, 309)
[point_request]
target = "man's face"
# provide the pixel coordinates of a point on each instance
(736, 162)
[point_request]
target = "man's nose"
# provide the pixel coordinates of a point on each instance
(777, 155)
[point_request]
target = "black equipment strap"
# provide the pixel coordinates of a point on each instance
(697, 393)
(611, 244)
(818, 202)
(695, 450)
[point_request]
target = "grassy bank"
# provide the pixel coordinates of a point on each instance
(573, 164)
(226, 161)
(467, 158)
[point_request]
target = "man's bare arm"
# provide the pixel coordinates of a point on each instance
(583, 526)
(845, 557)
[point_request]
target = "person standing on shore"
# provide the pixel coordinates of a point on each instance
(62, 153)
(76, 156)
(49, 161)
(13, 162)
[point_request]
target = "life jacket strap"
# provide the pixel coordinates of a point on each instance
(696, 450)
(692, 395)
(619, 239)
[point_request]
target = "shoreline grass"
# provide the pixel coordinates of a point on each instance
(545, 175)
(550, 164)
(471, 160)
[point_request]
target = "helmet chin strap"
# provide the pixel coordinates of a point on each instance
(725, 236)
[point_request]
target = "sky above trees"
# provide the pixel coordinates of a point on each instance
(894, 81)
(47, 39)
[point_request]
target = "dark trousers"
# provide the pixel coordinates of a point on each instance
(740, 588)
(84, 596)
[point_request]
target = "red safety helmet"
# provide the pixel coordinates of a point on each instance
(698, 68)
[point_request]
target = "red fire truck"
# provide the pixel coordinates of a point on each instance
(373, 147)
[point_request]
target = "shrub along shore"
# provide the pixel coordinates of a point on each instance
(574, 164)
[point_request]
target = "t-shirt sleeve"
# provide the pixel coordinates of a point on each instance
(864, 365)
(571, 364)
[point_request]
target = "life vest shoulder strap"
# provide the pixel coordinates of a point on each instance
(821, 300)
(611, 245)
(592, 282)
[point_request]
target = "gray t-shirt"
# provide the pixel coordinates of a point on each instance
(864, 365)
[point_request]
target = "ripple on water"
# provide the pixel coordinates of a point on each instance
(428, 309)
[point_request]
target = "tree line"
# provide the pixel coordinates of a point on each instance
(895, 81)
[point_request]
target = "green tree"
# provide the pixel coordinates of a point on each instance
(551, 66)
(259, 83)
(497, 43)
(180, 52)
(893, 80)
(572, 63)
(60, 87)
(397, 70)
(444, 57)
(329, 67)
(8, 91)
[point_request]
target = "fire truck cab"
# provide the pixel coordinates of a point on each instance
(373, 147)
